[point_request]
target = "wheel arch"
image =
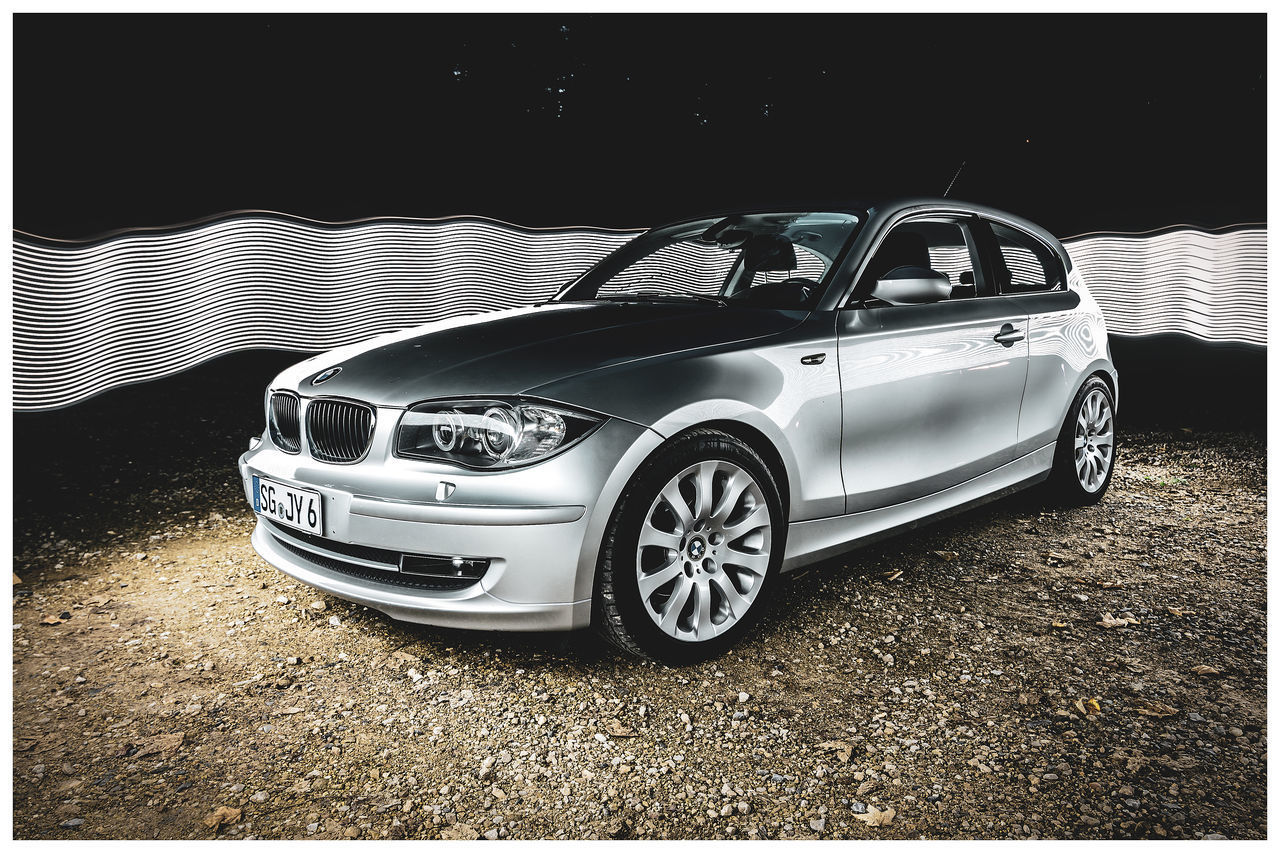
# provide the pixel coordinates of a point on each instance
(612, 496)
(760, 443)
(1110, 381)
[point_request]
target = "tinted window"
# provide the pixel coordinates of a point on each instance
(1023, 264)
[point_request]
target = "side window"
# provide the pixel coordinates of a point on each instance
(1023, 264)
(939, 244)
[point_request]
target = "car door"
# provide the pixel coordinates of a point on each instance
(929, 392)
(1061, 340)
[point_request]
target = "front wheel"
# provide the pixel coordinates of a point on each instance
(690, 550)
(1085, 457)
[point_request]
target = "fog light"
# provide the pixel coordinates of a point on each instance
(444, 567)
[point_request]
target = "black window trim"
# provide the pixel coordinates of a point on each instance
(965, 219)
(990, 244)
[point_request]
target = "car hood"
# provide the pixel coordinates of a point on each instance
(515, 351)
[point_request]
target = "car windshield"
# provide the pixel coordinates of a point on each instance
(774, 260)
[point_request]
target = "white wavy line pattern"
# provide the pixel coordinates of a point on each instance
(140, 306)
(143, 306)
(1210, 286)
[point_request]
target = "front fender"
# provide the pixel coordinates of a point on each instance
(792, 405)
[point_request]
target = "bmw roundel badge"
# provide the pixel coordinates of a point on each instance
(326, 375)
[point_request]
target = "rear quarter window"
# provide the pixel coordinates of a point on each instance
(1023, 264)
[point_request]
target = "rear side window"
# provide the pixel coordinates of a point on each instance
(1023, 264)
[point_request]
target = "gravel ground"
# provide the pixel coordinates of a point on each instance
(954, 682)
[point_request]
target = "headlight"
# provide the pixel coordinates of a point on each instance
(490, 433)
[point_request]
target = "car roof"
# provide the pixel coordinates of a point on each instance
(885, 208)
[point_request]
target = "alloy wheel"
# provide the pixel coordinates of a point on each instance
(1094, 440)
(704, 550)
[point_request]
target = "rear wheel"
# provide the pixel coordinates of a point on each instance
(690, 550)
(1085, 457)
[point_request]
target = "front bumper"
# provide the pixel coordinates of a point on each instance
(539, 527)
(472, 607)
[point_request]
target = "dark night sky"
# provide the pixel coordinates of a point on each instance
(1078, 122)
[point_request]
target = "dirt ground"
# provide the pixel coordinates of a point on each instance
(955, 682)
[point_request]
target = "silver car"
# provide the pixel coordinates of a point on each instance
(716, 403)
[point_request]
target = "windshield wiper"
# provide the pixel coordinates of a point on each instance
(651, 296)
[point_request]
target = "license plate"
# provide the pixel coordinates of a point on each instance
(289, 505)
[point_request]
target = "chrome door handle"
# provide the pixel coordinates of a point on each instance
(1008, 335)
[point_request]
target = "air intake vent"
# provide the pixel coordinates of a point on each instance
(338, 431)
(284, 422)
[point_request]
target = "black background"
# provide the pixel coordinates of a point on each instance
(1079, 123)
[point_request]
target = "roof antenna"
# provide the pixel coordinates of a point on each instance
(953, 178)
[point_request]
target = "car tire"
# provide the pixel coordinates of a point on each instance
(712, 570)
(1091, 416)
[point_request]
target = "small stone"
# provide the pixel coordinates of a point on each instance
(335, 621)
(818, 824)
(857, 807)
(312, 828)
(260, 797)
(744, 808)
(744, 697)
(319, 605)
(140, 557)
(352, 832)
(491, 834)
(1235, 731)
(72, 823)
(237, 788)
(726, 810)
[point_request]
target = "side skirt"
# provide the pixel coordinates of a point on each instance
(816, 540)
